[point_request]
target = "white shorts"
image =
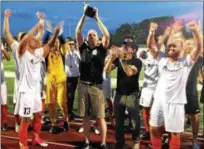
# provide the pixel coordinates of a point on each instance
(4, 94)
(168, 114)
(107, 87)
(15, 91)
(43, 91)
(146, 98)
(28, 103)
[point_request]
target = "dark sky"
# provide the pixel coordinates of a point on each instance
(113, 14)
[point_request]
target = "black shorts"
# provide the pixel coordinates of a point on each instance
(192, 106)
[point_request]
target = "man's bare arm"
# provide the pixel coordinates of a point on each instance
(28, 36)
(104, 30)
(150, 40)
(78, 34)
(50, 44)
(199, 44)
(41, 28)
(109, 66)
(7, 33)
(128, 69)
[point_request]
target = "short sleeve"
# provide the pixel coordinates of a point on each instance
(189, 61)
(39, 52)
(14, 46)
(138, 64)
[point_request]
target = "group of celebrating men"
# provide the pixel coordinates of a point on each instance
(48, 70)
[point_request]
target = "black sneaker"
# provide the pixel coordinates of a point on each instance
(145, 136)
(53, 130)
(66, 126)
(103, 146)
(165, 142)
(86, 146)
(4, 127)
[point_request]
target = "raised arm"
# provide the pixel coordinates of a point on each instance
(50, 44)
(104, 30)
(109, 66)
(41, 28)
(164, 37)
(150, 40)
(176, 30)
(4, 51)
(28, 36)
(198, 40)
(78, 34)
(7, 34)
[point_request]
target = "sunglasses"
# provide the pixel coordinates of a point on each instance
(128, 40)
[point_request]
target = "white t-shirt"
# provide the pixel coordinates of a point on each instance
(29, 69)
(14, 48)
(173, 76)
(72, 63)
(150, 71)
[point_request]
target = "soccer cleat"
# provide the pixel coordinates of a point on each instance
(81, 129)
(4, 127)
(86, 146)
(145, 136)
(53, 130)
(40, 142)
(103, 146)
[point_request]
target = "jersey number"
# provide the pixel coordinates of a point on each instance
(26, 111)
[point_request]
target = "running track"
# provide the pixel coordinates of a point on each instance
(73, 139)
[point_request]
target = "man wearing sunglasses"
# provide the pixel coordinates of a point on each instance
(72, 59)
(127, 89)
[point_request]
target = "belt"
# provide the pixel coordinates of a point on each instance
(88, 83)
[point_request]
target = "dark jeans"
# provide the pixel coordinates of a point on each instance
(120, 105)
(72, 83)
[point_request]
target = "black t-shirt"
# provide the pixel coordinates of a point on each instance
(127, 85)
(92, 63)
(191, 87)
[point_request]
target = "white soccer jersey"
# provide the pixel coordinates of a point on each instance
(173, 76)
(150, 71)
(14, 48)
(29, 69)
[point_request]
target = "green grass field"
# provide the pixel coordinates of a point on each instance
(9, 66)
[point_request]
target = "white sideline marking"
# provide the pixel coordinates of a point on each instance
(53, 143)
